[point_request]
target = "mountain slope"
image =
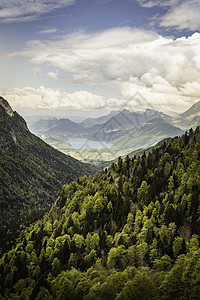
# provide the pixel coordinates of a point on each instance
(66, 126)
(57, 126)
(127, 119)
(147, 134)
(42, 125)
(89, 122)
(193, 110)
(122, 123)
(132, 232)
(190, 118)
(31, 171)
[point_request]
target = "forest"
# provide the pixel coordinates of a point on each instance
(130, 232)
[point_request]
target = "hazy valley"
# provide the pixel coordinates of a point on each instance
(116, 134)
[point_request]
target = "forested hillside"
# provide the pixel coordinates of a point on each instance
(31, 172)
(132, 232)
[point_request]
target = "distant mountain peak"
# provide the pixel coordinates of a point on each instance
(126, 110)
(195, 108)
(6, 106)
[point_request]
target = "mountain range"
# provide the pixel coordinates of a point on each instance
(89, 122)
(57, 126)
(147, 134)
(124, 130)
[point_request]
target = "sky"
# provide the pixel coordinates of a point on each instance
(84, 57)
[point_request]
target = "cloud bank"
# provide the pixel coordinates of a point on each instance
(47, 98)
(165, 71)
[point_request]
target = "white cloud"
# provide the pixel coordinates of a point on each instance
(128, 60)
(53, 75)
(181, 14)
(152, 3)
(160, 96)
(191, 89)
(186, 15)
(27, 10)
(47, 98)
(98, 57)
(48, 31)
(117, 54)
(137, 96)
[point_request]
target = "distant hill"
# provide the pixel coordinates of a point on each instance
(141, 151)
(127, 119)
(120, 124)
(57, 126)
(147, 134)
(66, 126)
(192, 111)
(190, 118)
(44, 124)
(125, 130)
(89, 122)
(93, 128)
(31, 171)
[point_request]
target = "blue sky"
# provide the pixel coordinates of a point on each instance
(75, 56)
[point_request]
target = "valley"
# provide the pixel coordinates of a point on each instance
(105, 138)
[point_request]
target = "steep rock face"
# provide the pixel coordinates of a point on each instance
(31, 171)
(5, 105)
(11, 125)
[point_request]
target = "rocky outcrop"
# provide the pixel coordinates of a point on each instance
(6, 106)
(11, 126)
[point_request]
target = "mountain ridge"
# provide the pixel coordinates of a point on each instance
(192, 110)
(119, 127)
(30, 170)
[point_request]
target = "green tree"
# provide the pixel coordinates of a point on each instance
(142, 194)
(140, 287)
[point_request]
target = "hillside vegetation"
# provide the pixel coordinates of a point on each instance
(31, 172)
(132, 232)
